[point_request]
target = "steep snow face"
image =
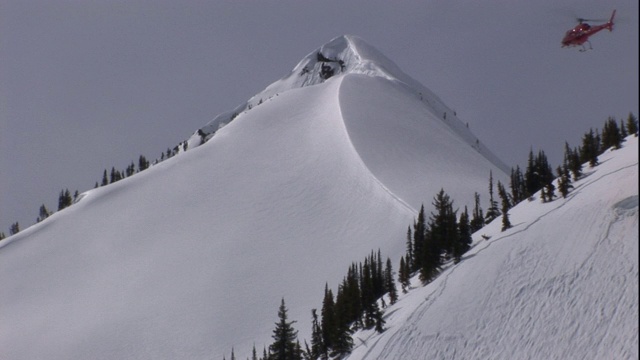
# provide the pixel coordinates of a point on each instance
(561, 284)
(409, 149)
(192, 256)
(350, 55)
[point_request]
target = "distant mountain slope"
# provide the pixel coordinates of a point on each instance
(192, 256)
(561, 284)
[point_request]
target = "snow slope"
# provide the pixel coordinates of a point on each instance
(561, 284)
(192, 256)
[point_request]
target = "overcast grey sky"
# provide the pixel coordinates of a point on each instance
(86, 85)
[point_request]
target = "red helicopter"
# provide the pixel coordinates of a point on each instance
(580, 34)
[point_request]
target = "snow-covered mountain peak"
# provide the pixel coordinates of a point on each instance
(350, 55)
(346, 54)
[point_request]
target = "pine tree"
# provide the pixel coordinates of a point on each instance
(419, 230)
(14, 229)
(378, 319)
(318, 349)
(390, 283)
(564, 180)
(506, 205)
(284, 338)
(403, 275)
(632, 125)
(443, 223)
(114, 178)
(493, 211)
(328, 320)
(409, 247)
(131, 169)
(367, 294)
(64, 199)
(44, 213)
(143, 163)
(518, 188)
(544, 169)
(572, 160)
(477, 220)
(464, 236)
(531, 176)
(623, 130)
(343, 342)
(548, 192)
(611, 136)
(105, 179)
(590, 149)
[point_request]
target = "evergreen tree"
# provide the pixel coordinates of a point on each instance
(531, 176)
(564, 180)
(318, 349)
(432, 259)
(464, 236)
(506, 205)
(113, 175)
(254, 354)
(409, 247)
(538, 173)
(477, 220)
(590, 149)
(548, 192)
(518, 188)
(632, 125)
(493, 211)
(64, 199)
(390, 283)
(377, 275)
(143, 163)
(105, 179)
(611, 136)
(623, 130)
(368, 298)
(378, 319)
(419, 231)
(544, 169)
(403, 275)
(443, 223)
(14, 229)
(284, 338)
(2, 236)
(343, 342)
(328, 319)
(572, 160)
(44, 213)
(440, 237)
(131, 169)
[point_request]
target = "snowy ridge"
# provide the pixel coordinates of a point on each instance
(349, 54)
(561, 284)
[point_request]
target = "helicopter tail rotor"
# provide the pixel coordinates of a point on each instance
(610, 22)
